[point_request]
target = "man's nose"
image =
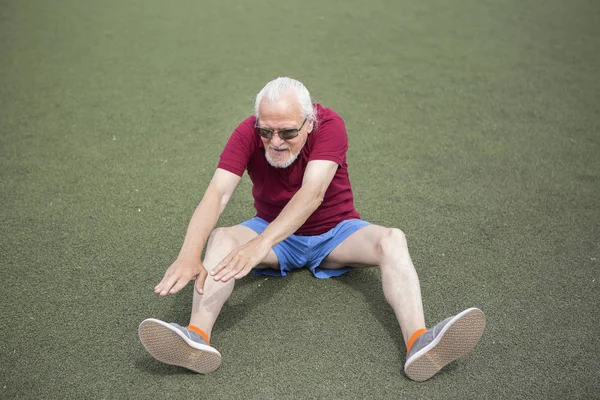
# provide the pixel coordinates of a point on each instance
(276, 140)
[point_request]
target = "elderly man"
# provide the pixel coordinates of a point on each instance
(295, 154)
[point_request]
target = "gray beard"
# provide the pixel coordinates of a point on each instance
(286, 164)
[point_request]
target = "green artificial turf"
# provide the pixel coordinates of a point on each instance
(474, 126)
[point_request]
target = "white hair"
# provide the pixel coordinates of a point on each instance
(277, 87)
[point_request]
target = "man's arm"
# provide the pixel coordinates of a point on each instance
(316, 180)
(188, 265)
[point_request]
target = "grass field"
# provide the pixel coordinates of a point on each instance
(474, 126)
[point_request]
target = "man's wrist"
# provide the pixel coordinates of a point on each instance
(264, 241)
(188, 254)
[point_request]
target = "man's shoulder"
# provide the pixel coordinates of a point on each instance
(248, 123)
(245, 129)
(325, 113)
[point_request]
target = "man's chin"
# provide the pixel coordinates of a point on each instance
(289, 160)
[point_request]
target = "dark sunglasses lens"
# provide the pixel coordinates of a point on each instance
(266, 133)
(288, 134)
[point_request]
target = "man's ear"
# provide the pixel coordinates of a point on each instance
(311, 125)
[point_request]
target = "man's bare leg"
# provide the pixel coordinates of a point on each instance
(375, 245)
(189, 347)
(428, 350)
(206, 307)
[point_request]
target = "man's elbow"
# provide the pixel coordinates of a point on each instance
(314, 195)
(319, 197)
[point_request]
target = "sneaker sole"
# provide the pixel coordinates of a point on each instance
(168, 345)
(456, 339)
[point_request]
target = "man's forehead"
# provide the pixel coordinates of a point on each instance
(286, 107)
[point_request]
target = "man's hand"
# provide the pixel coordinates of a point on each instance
(241, 261)
(179, 274)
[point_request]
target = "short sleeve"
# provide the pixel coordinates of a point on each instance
(330, 141)
(239, 148)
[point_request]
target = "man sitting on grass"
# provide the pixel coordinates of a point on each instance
(295, 154)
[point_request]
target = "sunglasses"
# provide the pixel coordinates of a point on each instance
(284, 134)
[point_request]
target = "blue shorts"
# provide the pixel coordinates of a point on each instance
(307, 251)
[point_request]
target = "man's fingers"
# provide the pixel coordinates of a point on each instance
(235, 265)
(225, 270)
(166, 287)
(224, 262)
(178, 285)
(233, 271)
(242, 273)
(200, 279)
(158, 288)
(225, 265)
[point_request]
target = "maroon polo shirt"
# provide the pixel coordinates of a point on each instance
(272, 188)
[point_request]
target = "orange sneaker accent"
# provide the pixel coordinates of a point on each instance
(199, 332)
(414, 337)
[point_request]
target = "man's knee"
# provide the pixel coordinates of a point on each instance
(222, 237)
(221, 242)
(392, 244)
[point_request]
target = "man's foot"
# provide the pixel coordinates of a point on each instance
(444, 343)
(176, 345)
